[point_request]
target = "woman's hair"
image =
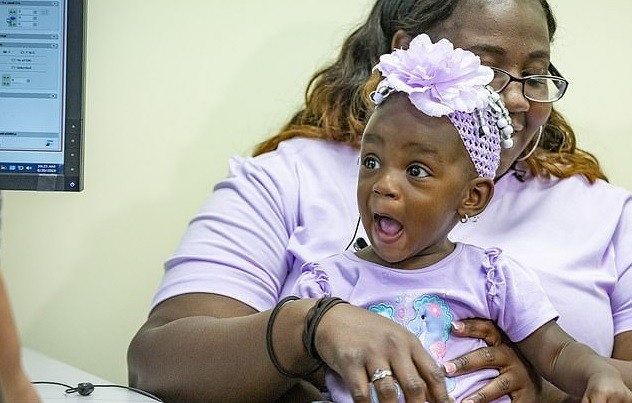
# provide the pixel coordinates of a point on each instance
(337, 108)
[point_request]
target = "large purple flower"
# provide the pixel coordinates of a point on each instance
(438, 78)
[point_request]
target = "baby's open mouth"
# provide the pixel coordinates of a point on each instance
(387, 225)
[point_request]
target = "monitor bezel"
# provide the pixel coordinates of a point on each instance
(71, 179)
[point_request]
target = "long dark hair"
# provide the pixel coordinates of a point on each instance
(337, 109)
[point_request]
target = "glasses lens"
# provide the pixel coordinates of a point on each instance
(500, 80)
(544, 89)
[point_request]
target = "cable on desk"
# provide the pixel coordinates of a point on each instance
(86, 388)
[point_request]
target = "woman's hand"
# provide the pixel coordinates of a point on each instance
(356, 343)
(516, 378)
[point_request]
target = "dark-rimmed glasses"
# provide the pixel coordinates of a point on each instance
(537, 88)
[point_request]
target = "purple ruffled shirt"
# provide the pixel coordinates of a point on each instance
(470, 282)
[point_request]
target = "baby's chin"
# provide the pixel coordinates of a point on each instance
(381, 257)
(392, 258)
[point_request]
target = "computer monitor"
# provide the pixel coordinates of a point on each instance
(41, 94)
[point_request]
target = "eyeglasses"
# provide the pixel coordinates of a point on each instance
(537, 88)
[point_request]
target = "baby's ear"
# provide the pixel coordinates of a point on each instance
(479, 193)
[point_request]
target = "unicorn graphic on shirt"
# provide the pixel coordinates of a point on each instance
(430, 323)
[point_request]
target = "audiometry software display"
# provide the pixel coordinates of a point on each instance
(41, 94)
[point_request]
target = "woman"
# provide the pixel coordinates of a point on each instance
(295, 202)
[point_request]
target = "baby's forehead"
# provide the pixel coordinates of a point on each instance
(412, 132)
(457, 134)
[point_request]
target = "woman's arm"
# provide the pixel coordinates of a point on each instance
(205, 347)
(15, 385)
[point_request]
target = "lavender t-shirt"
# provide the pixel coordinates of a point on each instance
(279, 210)
(470, 282)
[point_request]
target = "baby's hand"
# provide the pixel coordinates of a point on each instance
(604, 388)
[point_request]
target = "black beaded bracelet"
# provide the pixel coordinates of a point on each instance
(270, 347)
(312, 319)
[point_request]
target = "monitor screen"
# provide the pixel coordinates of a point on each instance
(41, 94)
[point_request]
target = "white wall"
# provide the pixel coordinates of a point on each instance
(592, 49)
(176, 87)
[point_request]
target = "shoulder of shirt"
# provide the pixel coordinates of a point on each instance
(470, 248)
(291, 155)
(573, 185)
(300, 148)
(601, 191)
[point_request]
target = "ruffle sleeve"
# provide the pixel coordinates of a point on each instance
(517, 302)
(313, 282)
(494, 278)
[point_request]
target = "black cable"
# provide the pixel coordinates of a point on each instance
(86, 388)
(133, 389)
(51, 383)
(355, 232)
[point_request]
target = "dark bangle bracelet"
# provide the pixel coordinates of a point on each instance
(314, 315)
(270, 347)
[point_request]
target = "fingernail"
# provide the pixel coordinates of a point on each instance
(468, 401)
(458, 326)
(450, 368)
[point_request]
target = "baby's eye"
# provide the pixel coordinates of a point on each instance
(417, 171)
(370, 162)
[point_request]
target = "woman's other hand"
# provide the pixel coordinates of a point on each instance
(516, 379)
(356, 343)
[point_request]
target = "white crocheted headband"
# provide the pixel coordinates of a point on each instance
(443, 81)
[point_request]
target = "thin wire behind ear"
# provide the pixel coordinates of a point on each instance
(355, 232)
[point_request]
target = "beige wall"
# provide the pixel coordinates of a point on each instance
(176, 87)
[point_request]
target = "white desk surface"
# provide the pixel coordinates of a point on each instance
(43, 368)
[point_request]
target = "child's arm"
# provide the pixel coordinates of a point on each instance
(625, 368)
(574, 367)
(622, 355)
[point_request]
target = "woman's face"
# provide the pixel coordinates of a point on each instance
(511, 35)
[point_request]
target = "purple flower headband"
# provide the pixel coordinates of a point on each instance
(443, 81)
